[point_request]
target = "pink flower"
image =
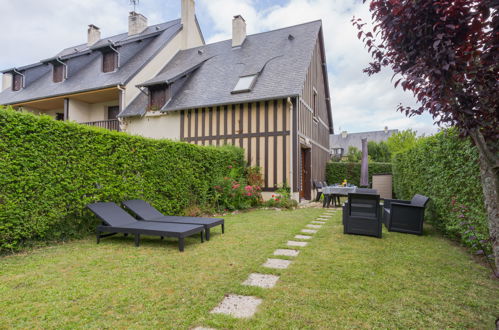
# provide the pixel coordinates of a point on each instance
(273, 195)
(230, 166)
(248, 194)
(248, 188)
(277, 199)
(235, 186)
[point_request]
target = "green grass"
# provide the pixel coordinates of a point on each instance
(339, 281)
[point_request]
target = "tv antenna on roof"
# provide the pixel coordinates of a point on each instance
(135, 3)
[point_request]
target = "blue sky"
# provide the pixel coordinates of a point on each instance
(359, 102)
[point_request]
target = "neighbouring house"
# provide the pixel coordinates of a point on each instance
(341, 142)
(267, 93)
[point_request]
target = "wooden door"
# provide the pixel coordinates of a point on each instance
(305, 174)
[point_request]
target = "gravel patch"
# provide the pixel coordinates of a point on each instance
(314, 226)
(294, 243)
(277, 263)
(309, 231)
(303, 237)
(286, 252)
(261, 280)
(238, 306)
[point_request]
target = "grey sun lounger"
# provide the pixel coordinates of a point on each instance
(116, 220)
(145, 211)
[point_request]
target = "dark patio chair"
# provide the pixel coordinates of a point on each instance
(145, 211)
(318, 186)
(116, 220)
(366, 191)
(405, 216)
(362, 215)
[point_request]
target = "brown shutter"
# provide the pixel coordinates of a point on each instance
(157, 97)
(58, 73)
(109, 61)
(17, 83)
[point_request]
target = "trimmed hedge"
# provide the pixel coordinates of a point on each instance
(50, 170)
(444, 167)
(336, 172)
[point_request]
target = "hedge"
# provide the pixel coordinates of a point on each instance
(50, 170)
(336, 172)
(443, 167)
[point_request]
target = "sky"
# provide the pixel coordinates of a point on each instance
(40, 29)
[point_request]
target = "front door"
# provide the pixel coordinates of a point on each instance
(112, 112)
(305, 174)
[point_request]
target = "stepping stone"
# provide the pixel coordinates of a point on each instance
(261, 280)
(203, 328)
(309, 231)
(238, 306)
(319, 222)
(303, 237)
(314, 226)
(286, 252)
(277, 263)
(295, 243)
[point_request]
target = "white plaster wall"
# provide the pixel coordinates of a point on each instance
(52, 113)
(164, 126)
(7, 80)
(98, 111)
(78, 111)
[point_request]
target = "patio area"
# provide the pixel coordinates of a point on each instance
(349, 281)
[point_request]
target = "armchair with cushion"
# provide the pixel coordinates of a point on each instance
(362, 215)
(405, 216)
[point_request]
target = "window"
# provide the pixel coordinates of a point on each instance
(158, 95)
(58, 73)
(17, 82)
(245, 84)
(109, 61)
(112, 112)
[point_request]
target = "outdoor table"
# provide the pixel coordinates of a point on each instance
(331, 192)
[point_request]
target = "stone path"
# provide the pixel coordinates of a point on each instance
(246, 306)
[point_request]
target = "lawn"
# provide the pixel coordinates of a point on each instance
(338, 281)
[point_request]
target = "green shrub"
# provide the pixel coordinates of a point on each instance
(282, 199)
(444, 168)
(50, 170)
(378, 152)
(337, 172)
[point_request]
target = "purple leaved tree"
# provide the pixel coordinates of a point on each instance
(446, 52)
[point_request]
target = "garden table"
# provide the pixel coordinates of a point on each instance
(331, 192)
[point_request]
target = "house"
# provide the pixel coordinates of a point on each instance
(267, 93)
(345, 140)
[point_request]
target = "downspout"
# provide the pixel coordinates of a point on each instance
(58, 59)
(121, 121)
(291, 170)
(21, 74)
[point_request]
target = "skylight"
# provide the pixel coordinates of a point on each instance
(245, 84)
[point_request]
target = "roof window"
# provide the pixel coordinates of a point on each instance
(245, 84)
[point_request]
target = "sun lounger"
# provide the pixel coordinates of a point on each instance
(145, 211)
(116, 220)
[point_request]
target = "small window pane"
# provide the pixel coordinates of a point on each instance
(109, 61)
(58, 73)
(158, 95)
(17, 82)
(244, 83)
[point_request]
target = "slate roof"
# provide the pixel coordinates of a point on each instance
(84, 65)
(280, 60)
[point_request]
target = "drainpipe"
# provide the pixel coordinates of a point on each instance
(115, 50)
(21, 74)
(58, 59)
(122, 106)
(291, 170)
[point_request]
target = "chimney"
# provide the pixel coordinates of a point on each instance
(136, 23)
(93, 34)
(238, 31)
(7, 80)
(189, 26)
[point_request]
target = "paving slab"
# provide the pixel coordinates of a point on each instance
(203, 328)
(303, 237)
(261, 280)
(314, 226)
(238, 306)
(286, 252)
(295, 243)
(309, 231)
(277, 263)
(319, 222)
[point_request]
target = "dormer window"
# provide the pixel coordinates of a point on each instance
(17, 82)
(109, 61)
(158, 95)
(245, 84)
(58, 71)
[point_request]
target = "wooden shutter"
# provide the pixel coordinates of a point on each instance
(109, 61)
(157, 97)
(17, 83)
(58, 73)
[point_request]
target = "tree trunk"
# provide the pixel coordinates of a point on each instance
(489, 171)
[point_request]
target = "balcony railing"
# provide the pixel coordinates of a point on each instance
(111, 124)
